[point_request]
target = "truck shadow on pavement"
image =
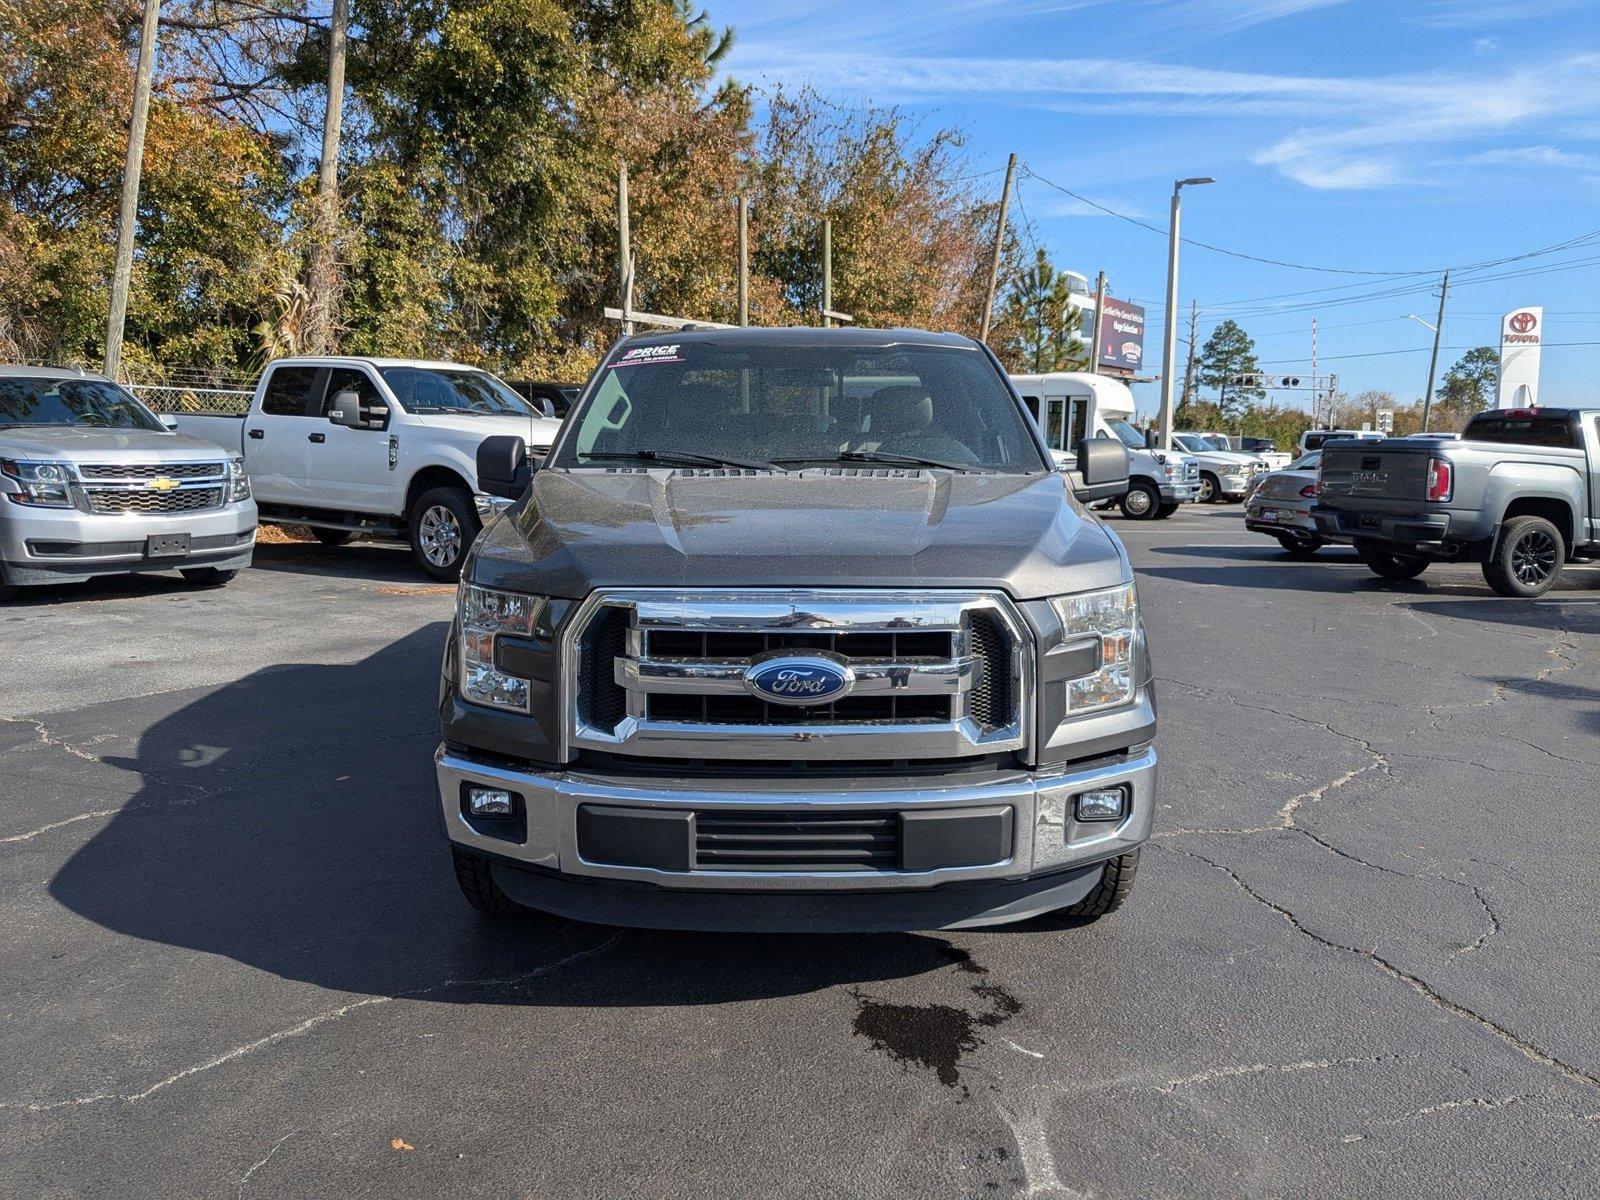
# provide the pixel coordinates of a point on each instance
(288, 821)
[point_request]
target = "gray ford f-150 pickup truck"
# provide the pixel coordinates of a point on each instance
(797, 629)
(1519, 492)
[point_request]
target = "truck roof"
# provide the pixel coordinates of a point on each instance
(803, 335)
(14, 370)
(322, 360)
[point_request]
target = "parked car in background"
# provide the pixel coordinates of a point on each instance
(555, 398)
(1265, 449)
(1518, 492)
(93, 483)
(1280, 506)
(379, 446)
(797, 629)
(1224, 474)
(1069, 406)
(1315, 439)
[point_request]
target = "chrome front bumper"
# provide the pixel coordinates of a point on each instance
(1046, 837)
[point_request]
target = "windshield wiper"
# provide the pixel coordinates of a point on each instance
(886, 456)
(684, 458)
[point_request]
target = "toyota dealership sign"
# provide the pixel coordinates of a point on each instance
(1521, 338)
(1119, 338)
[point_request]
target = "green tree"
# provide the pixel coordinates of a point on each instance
(1040, 323)
(1229, 353)
(1469, 386)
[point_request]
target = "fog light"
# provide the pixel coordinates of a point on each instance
(489, 802)
(1102, 804)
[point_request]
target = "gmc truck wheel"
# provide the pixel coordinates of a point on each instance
(478, 885)
(1386, 564)
(1116, 881)
(443, 523)
(1141, 502)
(1527, 559)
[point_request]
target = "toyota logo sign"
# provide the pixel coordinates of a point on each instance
(1523, 322)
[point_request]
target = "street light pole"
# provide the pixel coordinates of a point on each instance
(1169, 349)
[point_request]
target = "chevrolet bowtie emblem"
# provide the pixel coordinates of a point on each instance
(163, 483)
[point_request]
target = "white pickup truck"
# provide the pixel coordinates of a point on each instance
(381, 446)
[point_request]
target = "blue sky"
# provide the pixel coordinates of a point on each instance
(1383, 137)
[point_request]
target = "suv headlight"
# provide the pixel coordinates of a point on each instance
(238, 481)
(485, 614)
(1110, 618)
(41, 484)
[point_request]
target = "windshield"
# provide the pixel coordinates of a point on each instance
(1307, 462)
(1217, 441)
(90, 403)
(1193, 444)
(743, 402)
(443, 390)
(1127, 434)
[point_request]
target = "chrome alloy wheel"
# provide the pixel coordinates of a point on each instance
(439, 535)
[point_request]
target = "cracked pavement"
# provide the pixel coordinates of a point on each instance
(1361, 957)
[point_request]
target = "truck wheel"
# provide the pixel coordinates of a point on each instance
(1386, 564)
(332, 537)
(443, 523)
(1116, 881)
(1166, 510)
(1527, 559)
(208, 576)
(478, 885)
(1300, 545)
(1141, 502)
(1210, 488)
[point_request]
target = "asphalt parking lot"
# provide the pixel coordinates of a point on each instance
(1361, 959)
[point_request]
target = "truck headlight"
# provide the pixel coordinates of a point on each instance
(484, 615)
(238, 481)
(40, 484)
(1111, 617)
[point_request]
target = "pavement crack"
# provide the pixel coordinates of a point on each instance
(1309, 1064)
(244, 1180)
(1479, 1102)
(302, 1028)
(1417, 984)
(46, 738)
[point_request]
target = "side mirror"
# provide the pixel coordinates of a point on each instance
(548, 406)
(1102, 461)
(1150, 439)
(503, 467)
(345, 410)
(168, 421)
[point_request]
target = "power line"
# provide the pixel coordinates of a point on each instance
(1410, 350)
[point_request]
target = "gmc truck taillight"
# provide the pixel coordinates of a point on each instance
(1441, 479)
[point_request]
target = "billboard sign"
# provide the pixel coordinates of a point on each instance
(1521, 339)
(1119, 337)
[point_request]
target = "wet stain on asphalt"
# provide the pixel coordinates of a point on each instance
(935, 1037)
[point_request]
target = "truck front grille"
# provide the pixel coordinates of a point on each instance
(180, 500)
(146, 471)
(935, 674)
(787, 841)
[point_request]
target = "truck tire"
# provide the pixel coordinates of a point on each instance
(208, 576)
(1386, 564)
(1210, 488)
(1141, 502)
(1302, 545)
(443, 523)
(1166, 510)
(1116, 881)
(478, 886)
(332, 537)
(1526, 559)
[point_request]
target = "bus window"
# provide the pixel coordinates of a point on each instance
(1054, 413)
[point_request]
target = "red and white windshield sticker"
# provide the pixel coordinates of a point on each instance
(649, 354)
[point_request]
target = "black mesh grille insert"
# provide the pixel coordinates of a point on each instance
(750, 710)
(992, 700)
(688, 643)
(602, 702)
(768, 841)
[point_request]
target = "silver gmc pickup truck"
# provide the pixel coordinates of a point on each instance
(797, 629)
(1519, 492)
(93, 483)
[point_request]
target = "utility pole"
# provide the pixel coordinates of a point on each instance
(1433, 359)
(1099, 314)
(128, 217)
(827, 273)
(322, 276)
(1188, 367)
(744, 261)
(625, 253)
(1316, 396)
(999, 244)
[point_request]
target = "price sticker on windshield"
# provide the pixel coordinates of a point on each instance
(649, 354)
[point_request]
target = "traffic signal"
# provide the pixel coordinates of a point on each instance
(1291, 381)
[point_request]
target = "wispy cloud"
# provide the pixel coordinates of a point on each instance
(1534, 156)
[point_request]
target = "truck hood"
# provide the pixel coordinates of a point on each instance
(1223, 458)
(579, 530)
(536, 431)
(103, 445)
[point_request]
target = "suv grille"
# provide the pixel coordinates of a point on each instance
(932, 675)
(184, 500)
(777, 841)
(201, 470)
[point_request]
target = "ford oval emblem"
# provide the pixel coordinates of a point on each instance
(799, 679)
